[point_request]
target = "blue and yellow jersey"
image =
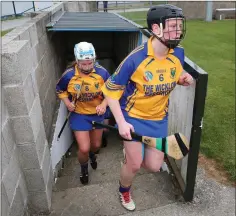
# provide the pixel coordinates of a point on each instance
(89, 88)
(143, 83)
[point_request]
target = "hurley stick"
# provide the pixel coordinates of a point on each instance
(78, 90)
(175, 146)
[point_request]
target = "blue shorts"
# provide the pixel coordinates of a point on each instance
(150, 128)
(81, 122)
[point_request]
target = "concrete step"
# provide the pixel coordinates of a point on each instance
(109, 163)
(150, 190)
(153, 193)
(95, 176)
(100, 196)
(107, 157)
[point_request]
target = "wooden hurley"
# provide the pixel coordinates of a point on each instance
(175, 146)
(68, 116)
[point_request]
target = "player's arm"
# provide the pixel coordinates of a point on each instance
(61, 89)
(114, 88)
(115, 85)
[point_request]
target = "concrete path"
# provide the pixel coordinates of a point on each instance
(128, 10)
(9, 24)
(154, 193)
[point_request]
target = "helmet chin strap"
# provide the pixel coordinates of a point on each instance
(88, 71)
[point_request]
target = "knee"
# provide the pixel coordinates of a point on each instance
(96, 144)
(134, 167)
(153, 167)
(84, 149)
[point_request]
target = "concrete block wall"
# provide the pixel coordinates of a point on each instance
(32, 61)
(30, 69)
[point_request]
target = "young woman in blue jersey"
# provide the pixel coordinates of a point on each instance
(80, 89)
(138, 92)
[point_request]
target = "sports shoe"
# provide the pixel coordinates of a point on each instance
(127, 201)
(164, 168)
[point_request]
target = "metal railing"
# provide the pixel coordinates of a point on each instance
(17, 8)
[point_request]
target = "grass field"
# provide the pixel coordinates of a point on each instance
(212, 47)
(5, 32)
(130, 5)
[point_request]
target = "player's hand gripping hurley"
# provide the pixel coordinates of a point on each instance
(78, 91)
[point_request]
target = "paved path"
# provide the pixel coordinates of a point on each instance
(128, 10)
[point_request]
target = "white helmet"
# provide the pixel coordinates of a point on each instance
(84, 51)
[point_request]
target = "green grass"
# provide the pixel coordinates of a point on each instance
(13, 17)
(124, 6)
(135, 5)
(154, 3)
(212, 47)
(136, 16)
(5, 32)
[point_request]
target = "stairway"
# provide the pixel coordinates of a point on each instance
(100, 196)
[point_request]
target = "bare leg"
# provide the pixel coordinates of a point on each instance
(133, 161)
(83, 141)
(133, 151)
(153, 159)
(96, 139)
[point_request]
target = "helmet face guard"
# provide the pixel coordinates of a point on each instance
(168, 42)
(85, 66)
(159, 15)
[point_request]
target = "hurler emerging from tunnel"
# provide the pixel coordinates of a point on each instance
(142, 84)
(80, 89)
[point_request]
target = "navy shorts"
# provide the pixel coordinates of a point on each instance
(82, 122)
